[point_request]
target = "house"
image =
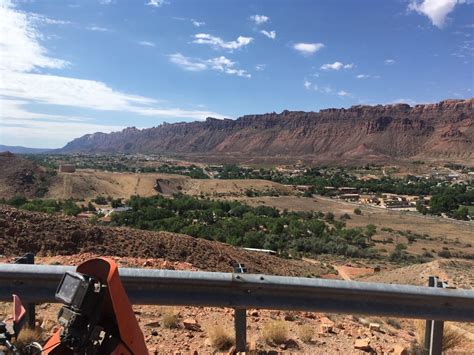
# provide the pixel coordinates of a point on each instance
(67, 168)
(349, 197)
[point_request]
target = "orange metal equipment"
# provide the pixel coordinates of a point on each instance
(116, 316)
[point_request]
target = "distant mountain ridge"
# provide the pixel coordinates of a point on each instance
(365, 133)
(22, 150)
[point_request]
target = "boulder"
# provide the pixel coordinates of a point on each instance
(191, 324)
(363, 344)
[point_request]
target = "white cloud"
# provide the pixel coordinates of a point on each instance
(367, 76)
(82, 93)
(22, 127)
(146, 43)
(308, 85)
(435, 10)
(23, 81)
(19, 43)
(259, 19)
(404, 101)
(336, 66)
(221, 64)
(187, 63)
(308, 48)
(260, 67)
(197, 23)
(271, 34)
(97, 29)
(13, 109)
(389, 61)
(46, 20)
(156, 3)
(217, 42)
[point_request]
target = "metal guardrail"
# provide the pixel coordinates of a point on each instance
(37, 284)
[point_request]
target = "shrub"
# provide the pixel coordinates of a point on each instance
(427, 254)
(100, 200)
(444, 253)
(170, 319)
(220, 338)
(306, 333)
(357, 211)
(275, 332)
(329, 216)
(17, 201)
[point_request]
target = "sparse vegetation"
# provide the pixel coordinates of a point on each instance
(220, 338)
(306, 333)
(275, 332)
(68, 207)
(170, 318)
(453, 336)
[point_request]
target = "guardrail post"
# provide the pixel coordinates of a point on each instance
(240, 319)
(429, 323)
(28, 258)
(437, 330)
(433, 344)
(240, 324)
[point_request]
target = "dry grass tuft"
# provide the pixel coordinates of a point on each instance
(453, 337)
(275, 332)
(170, 319)
(306, 333)
(5, 310)
(220, 338)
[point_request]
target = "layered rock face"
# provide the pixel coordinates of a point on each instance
(444, 129)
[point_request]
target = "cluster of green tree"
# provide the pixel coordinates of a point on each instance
(114, 202)
(241, 225)
(67, 207)
(320, 178)
(116, 163)
(44, 160)
(456, 201)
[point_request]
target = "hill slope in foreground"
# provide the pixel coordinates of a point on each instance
(68, 240)
(360, 133)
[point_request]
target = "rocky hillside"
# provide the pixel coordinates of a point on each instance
(19, 176)
(46, 234)
(368, 133)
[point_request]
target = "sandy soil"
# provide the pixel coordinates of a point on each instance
(87, 184)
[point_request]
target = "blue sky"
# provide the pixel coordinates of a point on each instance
(73, 67)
